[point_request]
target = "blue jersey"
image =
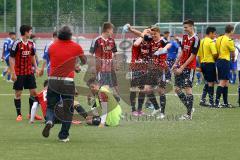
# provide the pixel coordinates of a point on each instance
(173, 51)
(7, 45)
(46, 55)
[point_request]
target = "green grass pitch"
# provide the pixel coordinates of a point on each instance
(213, 134)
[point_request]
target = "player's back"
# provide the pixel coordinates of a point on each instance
(225, 45)
(63, 55)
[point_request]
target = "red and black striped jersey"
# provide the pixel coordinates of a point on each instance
(103, 50)
(159, 61)
(190, 45)
(23, 53)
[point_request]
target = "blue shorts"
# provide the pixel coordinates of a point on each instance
(223, 68)
(233, 65)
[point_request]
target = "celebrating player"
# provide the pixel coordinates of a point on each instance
(105, 50)
(63, 54)
(184, 68)
(22, 57)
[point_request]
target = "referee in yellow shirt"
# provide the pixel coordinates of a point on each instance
(225, 48)
(207, 54)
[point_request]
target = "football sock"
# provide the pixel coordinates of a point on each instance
(31, 100)
(218, 94)
(133, 100)
(189, 104)
(17, 103)
(141, 98)
(153, 100)
(225, 95)
(204, 93)
(211, 95)
(163, 103)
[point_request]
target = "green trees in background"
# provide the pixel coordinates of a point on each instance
(44, 12)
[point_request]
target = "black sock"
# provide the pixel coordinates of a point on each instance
(163, 103)
(218, 94)
(17, 103)
(141, 98)
(133, 100)
(211, 95)
(31, 101)
(182, 97)
(204, 93)
(81, 111)
(189, 104)
(153, 100)
(225, 95)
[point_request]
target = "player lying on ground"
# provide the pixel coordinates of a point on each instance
(108, 111)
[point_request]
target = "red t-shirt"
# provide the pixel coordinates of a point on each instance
(63, 56)
(23, 53)
(42, 99)
(189, 46)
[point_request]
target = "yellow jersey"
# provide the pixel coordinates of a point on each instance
(225, 46)
(207, 50)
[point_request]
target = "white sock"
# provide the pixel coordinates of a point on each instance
(33, 111)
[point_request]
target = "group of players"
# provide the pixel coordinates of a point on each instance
(151, 67)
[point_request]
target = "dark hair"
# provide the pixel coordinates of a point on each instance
(11, 33)
(189, 21)
(229, 28)
(92, 80)
(166, 32)
(210, 30)
(54, 34)
(106, 26)
(45, 83)
(65, 33)
(24, 29)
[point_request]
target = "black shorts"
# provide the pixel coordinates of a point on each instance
(107, 78)
(156, 77)
(223, 68)
(209, 72)
(185, 79)
(138, 79)
(25, 81)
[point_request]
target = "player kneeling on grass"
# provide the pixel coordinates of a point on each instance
(108, 111)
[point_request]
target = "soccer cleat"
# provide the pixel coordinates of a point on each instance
(64, 140)
(141, 113)
(155, 112)
(19, 118)
(227, 105)
(161, 116)
(203, 104)
(135, 113)
(37, 117)
(185, 117)
(47, 128)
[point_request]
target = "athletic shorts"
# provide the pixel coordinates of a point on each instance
(223, 68)
(107, 78)
(156, 77)
(138, 79)
(209, 72)
(185, 79)
(25, 82)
